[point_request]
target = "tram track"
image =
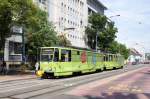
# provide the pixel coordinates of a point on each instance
(68, 84)
(61, 90)
(15, 80)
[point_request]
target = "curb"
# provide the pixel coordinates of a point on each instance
(16, 79)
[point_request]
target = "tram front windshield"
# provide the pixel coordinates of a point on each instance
(47, 54)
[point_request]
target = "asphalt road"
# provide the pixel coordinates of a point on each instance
(133, 85)
(49, 88)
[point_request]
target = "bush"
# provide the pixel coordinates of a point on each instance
(23, 67)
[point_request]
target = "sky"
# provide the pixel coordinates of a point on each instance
(133, 23)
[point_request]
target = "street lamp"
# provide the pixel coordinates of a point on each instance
(109, 18)
(114, 16)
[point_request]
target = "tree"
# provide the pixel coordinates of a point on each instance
(13, 12)
(5, 20)
(96, 25)
(63, 41)
(116, 47)
(40, 33)
(124, 51)
(107, 36)
(105, 31)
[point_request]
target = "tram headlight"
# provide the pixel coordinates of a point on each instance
(39, 73)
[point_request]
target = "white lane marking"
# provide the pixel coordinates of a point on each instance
(68, 85)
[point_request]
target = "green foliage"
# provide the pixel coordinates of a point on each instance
(1, 52)
(116, 47)
(106, 34)
(105, 30)
(23, 68)
(38, 31)
(97, 21)
(5, 21)
(63, 41)
(124, 51)
(13, 12)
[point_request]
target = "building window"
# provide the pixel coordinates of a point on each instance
(40, 1)
(62, 4)
(43, 1)
(62, 18)
(66, 55)
(15, 48)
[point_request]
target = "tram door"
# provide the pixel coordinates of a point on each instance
(65, 60)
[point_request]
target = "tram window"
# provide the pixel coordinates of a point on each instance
(47, 55)
(78, 52)
(103, 58)
(110, 58)
(116, 58)
(106, 58)
(65, 55)
(69, 55)
(56, 55)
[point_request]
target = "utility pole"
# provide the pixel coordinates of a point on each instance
(23, 46)
(96, 42)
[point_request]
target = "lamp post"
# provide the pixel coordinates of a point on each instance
(109, 18)
(96, 41)
(23, 46)
(114, 16)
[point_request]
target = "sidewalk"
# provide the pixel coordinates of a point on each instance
(17, 76)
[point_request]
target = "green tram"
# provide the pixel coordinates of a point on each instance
(60, 61)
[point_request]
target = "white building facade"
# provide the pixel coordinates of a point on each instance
(70, 17)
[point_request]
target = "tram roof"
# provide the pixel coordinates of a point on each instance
(80, 49)
(70, 48)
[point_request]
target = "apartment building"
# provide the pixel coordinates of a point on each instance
(95, 6)
(70, 17)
